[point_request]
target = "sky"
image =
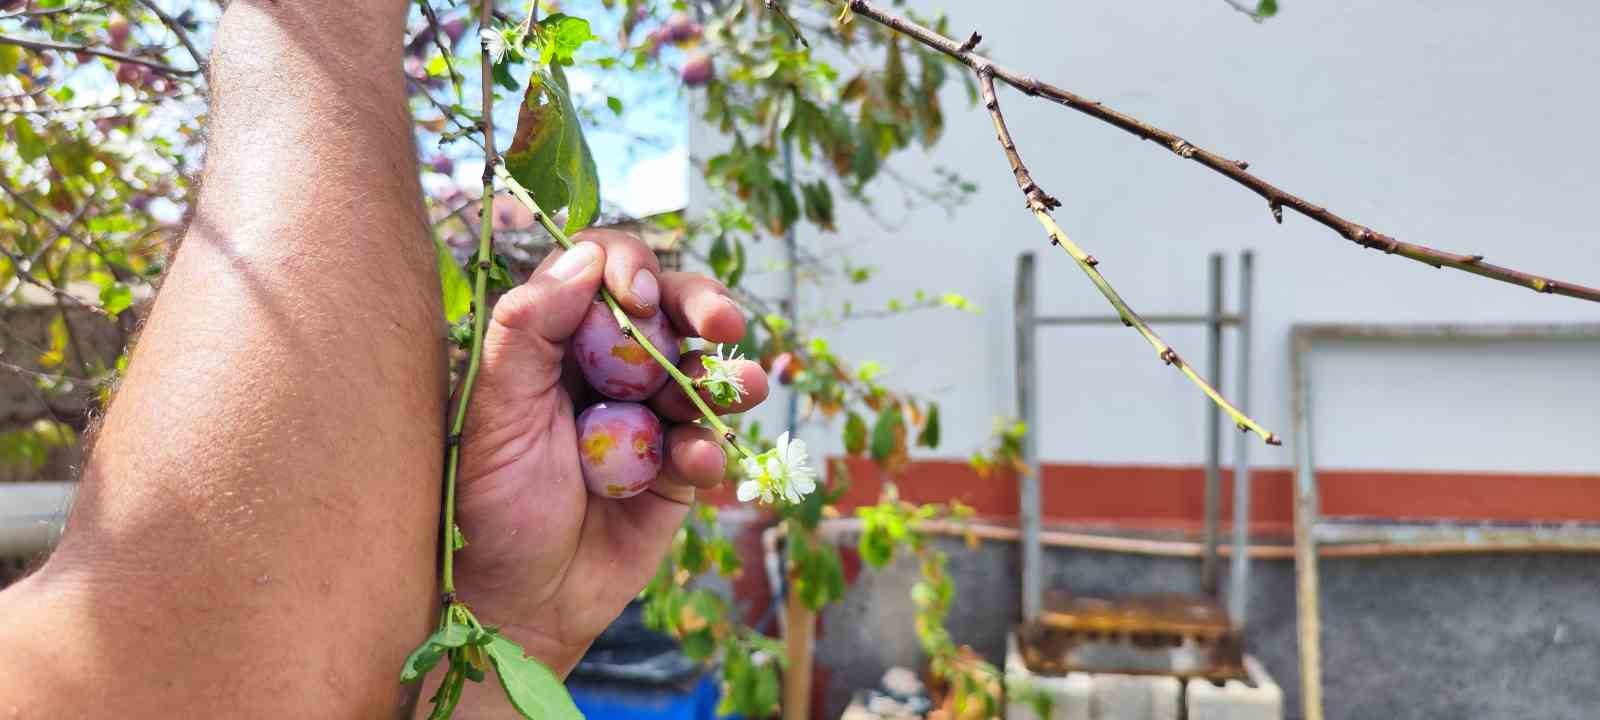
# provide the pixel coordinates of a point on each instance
(642, 155)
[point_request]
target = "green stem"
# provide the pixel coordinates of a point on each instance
(623, 321)
(480, 316)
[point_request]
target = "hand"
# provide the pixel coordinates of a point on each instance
(547, 562)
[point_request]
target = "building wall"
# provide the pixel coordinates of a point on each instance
(1458, 125)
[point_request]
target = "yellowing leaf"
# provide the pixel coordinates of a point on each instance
(549, 154)
(57, 353)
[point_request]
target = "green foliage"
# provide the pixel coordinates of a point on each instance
(457, 289)
(530, 686)
(30, 447)
(549, 154)
(560, 36)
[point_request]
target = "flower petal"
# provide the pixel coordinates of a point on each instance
(748, 490)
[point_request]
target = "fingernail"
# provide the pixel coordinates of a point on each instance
(573, 261)
(645, 290)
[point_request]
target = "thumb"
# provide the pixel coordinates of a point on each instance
(527, 335)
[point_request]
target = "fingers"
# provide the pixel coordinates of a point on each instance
(694, 457)
(631, 272)
(698, 305)
(672, 405)
(526, 342)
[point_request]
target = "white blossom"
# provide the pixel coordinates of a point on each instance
(494, 43)
(781, 472)
(722, 378)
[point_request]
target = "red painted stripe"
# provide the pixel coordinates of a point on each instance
(1174, 496)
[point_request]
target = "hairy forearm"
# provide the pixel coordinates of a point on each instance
(263, 493)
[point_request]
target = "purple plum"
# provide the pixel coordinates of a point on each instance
(619, 448)
(613, 363)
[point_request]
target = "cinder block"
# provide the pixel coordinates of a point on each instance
(1258, 699)
(1086, 696)
(1135, 697)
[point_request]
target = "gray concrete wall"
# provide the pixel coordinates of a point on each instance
(1485, 636)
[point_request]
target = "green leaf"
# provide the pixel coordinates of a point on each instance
(727, 260)
(437, 66)
(929, 437)
(457, 291)
(500, 274)
(615, 104)
(560, 37)
(115, 297)
(1266, 8)
(855, 434)
(432, 650)
(530, 686)
(699, 645)
(30, 146)
(883, 439)
(549, 155)
(818, 203)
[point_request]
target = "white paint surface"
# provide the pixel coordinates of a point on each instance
(1468, 126)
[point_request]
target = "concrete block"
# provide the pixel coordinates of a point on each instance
(1258, 699)
(1090, 696)
(1134, 697)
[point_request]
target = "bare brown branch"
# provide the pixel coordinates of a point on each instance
(179, 31)
(50, 45)
(1235, 170)
(1040, 204)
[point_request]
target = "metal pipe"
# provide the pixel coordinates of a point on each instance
(1425, 332)
(1213, 498)
(791, 303)
(1028, 490)
(1166, 319)
(1239, 570)
(32, 515)
(1308, 613)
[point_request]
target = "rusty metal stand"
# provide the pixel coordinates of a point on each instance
(1028, 321)
(1310, 529)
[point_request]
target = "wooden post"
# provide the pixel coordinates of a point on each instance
(799, 636)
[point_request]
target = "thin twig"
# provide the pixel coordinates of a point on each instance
(43, 45)
(777, 7)
(1235, 170)
(60, 294)
(179, 31)
(1040, 204)
(435, 29)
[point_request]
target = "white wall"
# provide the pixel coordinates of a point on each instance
(1469, 126)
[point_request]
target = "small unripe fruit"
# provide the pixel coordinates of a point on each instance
(613, 363)
(697, 70)
(678, 28)
(619, 448)
(784, 367)
(454, 28)
(118, 29)
(131, 75)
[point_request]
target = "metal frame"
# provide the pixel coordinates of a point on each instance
(1028, 321)
(1450, 536)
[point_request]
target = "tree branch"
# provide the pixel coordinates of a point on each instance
(179, 31)
(1235, 170)
(1040, 204)
(43, 45)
